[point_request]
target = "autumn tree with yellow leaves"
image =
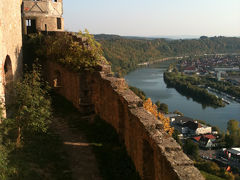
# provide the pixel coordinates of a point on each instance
(152, 108)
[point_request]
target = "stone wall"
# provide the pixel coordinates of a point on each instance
(10, 42)
(155, 154)
(45, 13)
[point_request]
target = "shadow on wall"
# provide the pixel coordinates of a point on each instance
(9, 76)
(8, 80)
(19, 60)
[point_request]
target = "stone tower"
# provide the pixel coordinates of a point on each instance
(42, 15)
(10, 45)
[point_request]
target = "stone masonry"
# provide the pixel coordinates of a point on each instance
(10, 43)
(42, 15)
(155, 154)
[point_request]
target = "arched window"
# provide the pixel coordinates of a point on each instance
(57, 79)
(8, 83)
(8, 70)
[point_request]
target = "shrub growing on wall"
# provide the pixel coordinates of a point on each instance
(152, 108)
(77, 55)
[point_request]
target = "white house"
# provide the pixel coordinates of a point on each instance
(186, 125)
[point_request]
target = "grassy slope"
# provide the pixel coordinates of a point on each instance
(210, 176)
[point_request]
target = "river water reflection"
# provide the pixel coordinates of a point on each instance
(150, 80)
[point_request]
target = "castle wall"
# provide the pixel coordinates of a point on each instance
(10, 39)
(155, 154)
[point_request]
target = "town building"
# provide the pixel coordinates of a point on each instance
(190, 69)
(188, 126)
(234, 154)
(226, 69)
(205, 141)
(229, 157)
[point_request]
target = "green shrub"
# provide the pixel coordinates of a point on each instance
(76, 55)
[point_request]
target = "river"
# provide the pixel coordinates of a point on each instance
(150, 80)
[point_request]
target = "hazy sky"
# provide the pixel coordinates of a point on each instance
(154, 17)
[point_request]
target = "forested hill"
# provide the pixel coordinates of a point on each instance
(126, 52)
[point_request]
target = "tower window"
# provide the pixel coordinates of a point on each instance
(59, 23)
(28, 22)
(31, 26)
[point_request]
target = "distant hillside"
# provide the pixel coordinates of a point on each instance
(178, 37)
(125, 53)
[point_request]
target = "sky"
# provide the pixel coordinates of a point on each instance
(154, 17)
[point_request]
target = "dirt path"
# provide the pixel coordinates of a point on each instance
(82, 160)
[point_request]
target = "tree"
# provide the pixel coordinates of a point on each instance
(209, 166)
(31, 110)
(138, 92)
(152, 108)
(164, 108)
(191, 148)
(229, 176)
(149, 106)
(233, 127)
(216, 128)
(178, 112)
(212, 167)
(203, 37)
(158, 104)
(5, 170)
(232, 137)
(175, 135)
(4, 161)
(229, 141)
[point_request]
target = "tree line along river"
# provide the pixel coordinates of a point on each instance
(150, 80)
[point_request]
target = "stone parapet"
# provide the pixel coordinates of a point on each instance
(155, 154)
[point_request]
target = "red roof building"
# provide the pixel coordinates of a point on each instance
(209, 136)
(197, 138)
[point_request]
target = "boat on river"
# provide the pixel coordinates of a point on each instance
(226, 101)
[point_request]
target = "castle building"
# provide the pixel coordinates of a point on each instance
(18, 17)
(42, 15)
(10, 45)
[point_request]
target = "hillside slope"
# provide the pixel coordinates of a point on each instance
(125, 53)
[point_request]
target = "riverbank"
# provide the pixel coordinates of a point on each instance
(189, 86)
(150, 80)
